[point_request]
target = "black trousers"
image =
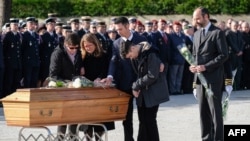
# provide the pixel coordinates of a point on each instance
(211, 113)
(1, 83)
(128, 122)
(148, 129)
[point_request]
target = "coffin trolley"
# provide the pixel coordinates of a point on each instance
(41, 107)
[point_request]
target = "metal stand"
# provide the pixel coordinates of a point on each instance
(60, 137)
(22, 137)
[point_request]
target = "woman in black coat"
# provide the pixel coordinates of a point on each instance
(95, 61)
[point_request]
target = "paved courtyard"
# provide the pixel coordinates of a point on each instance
(178, 119)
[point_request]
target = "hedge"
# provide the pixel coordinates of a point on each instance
(66, 8)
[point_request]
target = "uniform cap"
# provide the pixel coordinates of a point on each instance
(111, 30)
(66, 27)
(148, 23)
(101, 23)
(50, 20)
(139, 23)
(14, 20)
(154, 21)
(132, 19)
(59, 23)
(30, 19)
(52, 15)
(74, 20)
(86, 18)
(7, 25)
(162, 20)
(177, 23)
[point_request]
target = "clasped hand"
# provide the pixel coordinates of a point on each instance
(197, 69)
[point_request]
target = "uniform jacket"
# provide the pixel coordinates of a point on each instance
(1, 55)
(164, 49)
(150, 81)
(176, 57)
(30, 49)
(211, 52)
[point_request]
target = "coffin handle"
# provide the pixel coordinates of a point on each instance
(49, 113)
(114, 108)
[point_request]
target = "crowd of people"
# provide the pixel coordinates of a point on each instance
(31, 51)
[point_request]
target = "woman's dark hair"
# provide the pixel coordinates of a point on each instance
(72, 39)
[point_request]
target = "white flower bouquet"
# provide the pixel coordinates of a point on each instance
(190, 59)
(225, 102)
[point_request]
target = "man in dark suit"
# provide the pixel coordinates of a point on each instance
(210, 52)
(12, 52)
(122, 72)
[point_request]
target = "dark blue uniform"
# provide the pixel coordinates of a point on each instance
(49, 42)
(13, 61)
(31, 59)
(1, 70)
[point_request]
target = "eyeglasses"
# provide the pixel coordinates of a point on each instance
(73, 47)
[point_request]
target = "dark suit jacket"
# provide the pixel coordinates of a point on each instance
(164, 49)
(121, 69)
(211, 52)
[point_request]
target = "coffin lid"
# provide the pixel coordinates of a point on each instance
(63, 94)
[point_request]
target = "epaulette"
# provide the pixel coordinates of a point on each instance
(228, 81)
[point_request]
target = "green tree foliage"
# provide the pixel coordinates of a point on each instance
(65, 8)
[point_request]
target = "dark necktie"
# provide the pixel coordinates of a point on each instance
(202, 34)
(165, 38)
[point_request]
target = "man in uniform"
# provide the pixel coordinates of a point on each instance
(12, 52)
(85, 25)
(75, 26)
(48, 43)
(30, 54)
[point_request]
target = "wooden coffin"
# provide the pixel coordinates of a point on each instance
(57, 106)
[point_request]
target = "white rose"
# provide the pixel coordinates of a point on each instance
(77, 83)
(52, 84)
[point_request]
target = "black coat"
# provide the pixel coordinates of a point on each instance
(61, 67)
(151, 82)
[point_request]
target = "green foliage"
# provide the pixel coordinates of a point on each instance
(66, 8)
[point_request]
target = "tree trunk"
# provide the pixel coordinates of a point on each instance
(5, 11)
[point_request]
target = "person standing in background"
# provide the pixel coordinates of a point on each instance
(30, 54)
(210, 52)
(13, 58)
(48, 43)
(1, 71)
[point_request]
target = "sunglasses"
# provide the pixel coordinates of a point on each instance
(73, 47)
